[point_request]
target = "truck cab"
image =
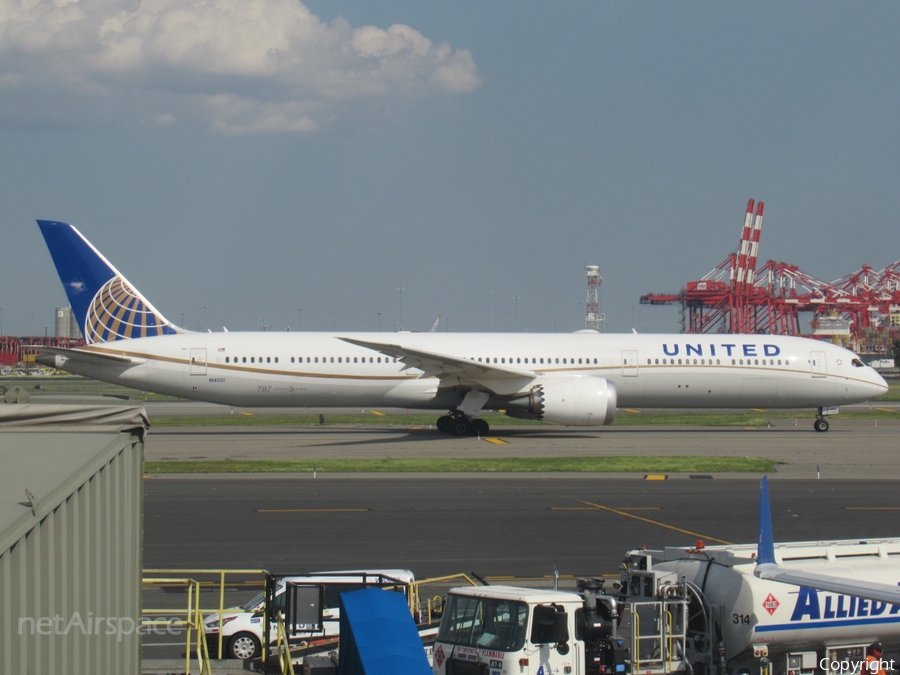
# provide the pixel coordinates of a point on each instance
(505, 630)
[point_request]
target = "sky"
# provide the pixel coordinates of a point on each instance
(292, 164)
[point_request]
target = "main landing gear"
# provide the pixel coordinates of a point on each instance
(821, 424)
(461, 425)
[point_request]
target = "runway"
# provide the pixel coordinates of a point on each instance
(519, 525)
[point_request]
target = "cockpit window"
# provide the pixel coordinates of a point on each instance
(856, 363)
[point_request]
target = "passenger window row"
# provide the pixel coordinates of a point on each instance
(309, 359)
(250, 359)
(504, 360)
(704, 362)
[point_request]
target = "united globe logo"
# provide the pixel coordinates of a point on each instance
(117, 312)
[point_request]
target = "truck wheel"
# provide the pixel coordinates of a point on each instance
(243, 646)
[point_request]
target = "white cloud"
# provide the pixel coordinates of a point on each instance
(236, 66)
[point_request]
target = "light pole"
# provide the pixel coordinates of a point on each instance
(447, 323)
(182, 320)
(516, 298)
(205, 307)
(490, 313)
(379, 321)
(401, 289)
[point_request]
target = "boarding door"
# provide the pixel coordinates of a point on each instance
(629, 363)
(198, 362)
(817, 364)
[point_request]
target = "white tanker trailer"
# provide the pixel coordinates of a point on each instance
(740, 622)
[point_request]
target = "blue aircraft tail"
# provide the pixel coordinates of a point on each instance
(765, 549)
(107, 307)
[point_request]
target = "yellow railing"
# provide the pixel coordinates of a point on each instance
(424, 612)
(669, 626)
(220, 574)
(193, 621)
(283, 649)
(636, 629)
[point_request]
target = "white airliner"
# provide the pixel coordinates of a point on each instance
(569, 379)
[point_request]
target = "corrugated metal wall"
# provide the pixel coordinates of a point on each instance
(71, 586)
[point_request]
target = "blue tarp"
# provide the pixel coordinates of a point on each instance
(379, 636)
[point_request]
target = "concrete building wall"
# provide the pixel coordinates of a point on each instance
(70, 574)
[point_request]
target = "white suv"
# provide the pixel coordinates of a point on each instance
(242, 627)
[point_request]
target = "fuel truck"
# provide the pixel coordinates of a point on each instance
(697, 610)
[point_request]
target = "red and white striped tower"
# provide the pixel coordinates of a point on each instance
(754, 250)
(738, 324)
(743, 250)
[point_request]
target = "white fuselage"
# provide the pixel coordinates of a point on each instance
(320, 369)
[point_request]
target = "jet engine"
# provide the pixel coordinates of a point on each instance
(577, 400)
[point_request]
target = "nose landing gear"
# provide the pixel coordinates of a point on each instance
(821, 424)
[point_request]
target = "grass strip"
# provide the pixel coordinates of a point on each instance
(616, 464)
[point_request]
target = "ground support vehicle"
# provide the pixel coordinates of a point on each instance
(309, 602)
(740, 623)
(500, 630)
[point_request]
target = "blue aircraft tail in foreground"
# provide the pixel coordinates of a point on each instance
(765, 546)
(106, 306)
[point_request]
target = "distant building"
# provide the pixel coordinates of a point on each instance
(66, 324)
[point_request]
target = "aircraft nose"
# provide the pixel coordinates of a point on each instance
(880, 384)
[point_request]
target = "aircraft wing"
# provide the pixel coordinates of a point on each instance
(767, 566)
(95, 357)
(453, 370)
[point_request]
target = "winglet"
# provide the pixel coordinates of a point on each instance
(765, 551)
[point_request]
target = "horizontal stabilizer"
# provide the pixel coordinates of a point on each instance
(767, 566)
(95, 357)
(823, 582)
